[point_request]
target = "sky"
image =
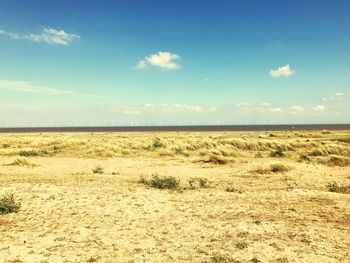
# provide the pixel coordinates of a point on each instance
(165, 62)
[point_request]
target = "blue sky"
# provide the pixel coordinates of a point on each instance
(165, 62)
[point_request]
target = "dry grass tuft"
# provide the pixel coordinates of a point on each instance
(335, 188)
(161, 182)
(273, 168)
(22, 161)
(8, 204)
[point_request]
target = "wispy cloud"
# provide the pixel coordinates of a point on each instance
(285, 71)
(164, 60)
(319, 108)
(24, 86)
(262, 107)
(47, 35)
(336, 96)
(162, 108)
(297, 109)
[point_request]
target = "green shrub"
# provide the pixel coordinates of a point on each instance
(157, 143)
(161, 182)
(98, 170)
(335, 188)
(304, 158)
(8, 204)
(278, 153)
(31, 153)
(6, 146)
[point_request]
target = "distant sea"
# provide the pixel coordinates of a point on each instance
(199, 128)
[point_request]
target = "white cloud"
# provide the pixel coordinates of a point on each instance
(162, 108)
(24, 86)
(192, 108)
(260, 107)
(319, 108)
(164, 60)
(284, 71)
(337, 96)
(47, 35)
(297, 109)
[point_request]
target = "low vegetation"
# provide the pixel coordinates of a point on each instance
(335, 188)
(8, 204)
(98, 170)
(22, 161)
(161, 182)
(273, 168)
(195, 183)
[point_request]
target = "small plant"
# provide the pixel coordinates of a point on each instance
(223, 259)
(304, 158)
(339, 161)
(8, 204)
(335, 188)
(165, 182)
(216, 160)
(258, 155)
(198, 183)
(278, 153)
(27, 153)
(22, 161)
(255, 260)
(241, 245)
(6, 146)
(32, 153)
(98, 170)
(157, 143)
(345, 140)
(257, 222)
(279, 168)
(179, 150)
(230, 189)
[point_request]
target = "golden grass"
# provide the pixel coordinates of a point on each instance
(22, 161)
(220, 212)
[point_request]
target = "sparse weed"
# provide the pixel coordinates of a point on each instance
(230, 189)
(98, 170)
(195, 183)
(279, 168)
(255, 260)
(278, 153)
(304, 158)
(22, 161)
(223, 259)
(6, 146)
(157, 143)
(339, 161)
(241, 245)
(8, 204)
(165, 182)
(345, 140)
(32, 153)
(215, 159)
(335, 188)
(258, 155)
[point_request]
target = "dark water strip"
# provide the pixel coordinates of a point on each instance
(200, 128)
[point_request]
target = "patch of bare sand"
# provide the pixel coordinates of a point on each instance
(70, 214)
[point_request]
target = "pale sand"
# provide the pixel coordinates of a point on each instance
(69, 214)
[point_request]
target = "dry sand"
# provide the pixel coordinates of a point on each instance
(70, 214)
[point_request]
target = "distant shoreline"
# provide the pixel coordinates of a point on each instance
(199, 128)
